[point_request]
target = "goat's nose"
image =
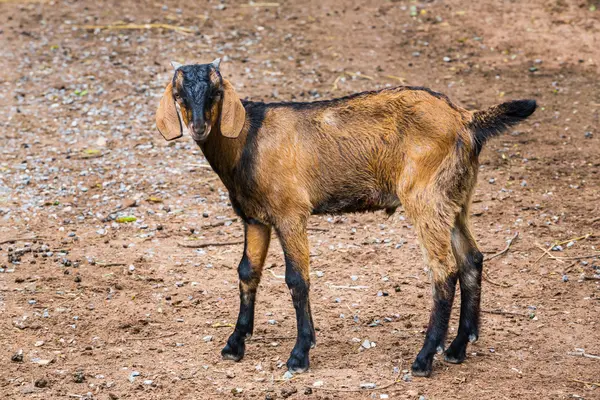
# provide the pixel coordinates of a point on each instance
(197, 128)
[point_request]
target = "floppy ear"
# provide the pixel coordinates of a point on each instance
(233, 114)
(167, 118)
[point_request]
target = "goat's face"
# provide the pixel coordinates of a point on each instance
(205, 100)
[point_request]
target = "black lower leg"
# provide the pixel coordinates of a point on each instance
(470, 298)
(234, 350)
(443, 297)
(299, 289)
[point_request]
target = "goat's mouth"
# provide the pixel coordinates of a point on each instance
(199, 136)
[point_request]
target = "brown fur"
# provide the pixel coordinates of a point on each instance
(301, 153)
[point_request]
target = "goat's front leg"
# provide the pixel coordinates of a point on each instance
(250, 269)
(294, 242)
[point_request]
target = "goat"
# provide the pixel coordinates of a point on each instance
(282, 162)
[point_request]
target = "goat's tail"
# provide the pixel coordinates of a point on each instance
(497, 119)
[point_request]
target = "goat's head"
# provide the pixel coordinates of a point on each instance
(205, 101)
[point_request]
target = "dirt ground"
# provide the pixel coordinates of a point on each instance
(98, 309)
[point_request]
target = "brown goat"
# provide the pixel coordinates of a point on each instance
(282, 162)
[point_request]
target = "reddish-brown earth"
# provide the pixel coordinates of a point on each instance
(78, 142)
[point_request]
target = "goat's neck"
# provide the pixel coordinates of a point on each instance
(223, 153)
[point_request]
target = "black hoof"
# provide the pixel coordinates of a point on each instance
(233, 351)
(457, 352)
(455, 356)
(298, 363)
(422, 367)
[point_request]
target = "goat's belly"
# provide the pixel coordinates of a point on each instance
(340, 204)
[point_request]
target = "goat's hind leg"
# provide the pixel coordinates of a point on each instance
(470, 265)
(250, 270)
(433, 227)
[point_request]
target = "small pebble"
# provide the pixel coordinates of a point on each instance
(447, 59)
(207, 338)
(133, 375)
(368, 385)
(41, 383)
(565, 278)
(79, 377)
(148, 382)
(18, 356)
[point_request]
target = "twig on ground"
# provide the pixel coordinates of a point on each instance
(389, 385)
(87, 157)
(335, 82)
(575, 257)
(209, 244)
(545, 251)
(275, 275)
(154, 337)
(220, 222)
(358, 75)
(114, 264)
(396, 78)
(259, 4)
(487, 278)
(317, 229)
(591, 278)
(585, 382)
(582, 354)
(346, 287)
(594, 220)
(568, 269)
(21, 239)
(220, 325)
(136, 27)
(500, 312)
(505, 250)
(557, 243)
